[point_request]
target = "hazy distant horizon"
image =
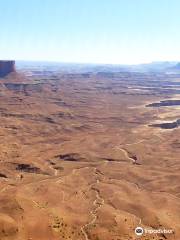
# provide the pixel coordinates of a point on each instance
(93, 63)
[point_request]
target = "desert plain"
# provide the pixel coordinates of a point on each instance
(89, 156)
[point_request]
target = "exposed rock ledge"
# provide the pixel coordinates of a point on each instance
(6, 67)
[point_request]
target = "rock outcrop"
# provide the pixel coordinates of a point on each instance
(6, 67)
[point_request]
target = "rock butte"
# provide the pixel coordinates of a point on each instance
(6, 67)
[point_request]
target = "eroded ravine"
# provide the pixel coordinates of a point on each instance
(97, 203)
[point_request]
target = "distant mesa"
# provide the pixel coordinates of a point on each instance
(6, 67)
(177, 66)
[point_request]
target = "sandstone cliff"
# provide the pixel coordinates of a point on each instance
(6, 67)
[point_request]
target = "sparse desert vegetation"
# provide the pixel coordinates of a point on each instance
(81, 159)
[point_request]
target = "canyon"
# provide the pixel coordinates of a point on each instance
(80, 158)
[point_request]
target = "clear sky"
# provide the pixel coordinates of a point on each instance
(90, 31)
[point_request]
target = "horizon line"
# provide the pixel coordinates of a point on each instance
(94, 63)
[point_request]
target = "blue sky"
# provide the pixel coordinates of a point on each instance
(90, 31)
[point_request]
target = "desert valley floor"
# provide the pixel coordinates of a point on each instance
(89, 156)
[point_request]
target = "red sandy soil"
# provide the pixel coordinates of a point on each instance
(78, 160)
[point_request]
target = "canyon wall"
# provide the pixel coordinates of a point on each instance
(6, 67)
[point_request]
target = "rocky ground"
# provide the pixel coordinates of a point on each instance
(79, 159)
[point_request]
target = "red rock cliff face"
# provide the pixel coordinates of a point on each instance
(6, 67)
